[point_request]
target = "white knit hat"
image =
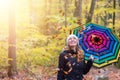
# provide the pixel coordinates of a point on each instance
(70, 36)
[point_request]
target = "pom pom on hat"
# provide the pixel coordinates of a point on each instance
(70, 36)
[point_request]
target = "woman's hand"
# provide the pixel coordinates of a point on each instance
(91, 57)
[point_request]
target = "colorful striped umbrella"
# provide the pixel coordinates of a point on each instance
(100, 42)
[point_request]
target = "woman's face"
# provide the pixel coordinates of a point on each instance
(72, 42)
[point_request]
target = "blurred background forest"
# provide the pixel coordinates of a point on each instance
(40, 27)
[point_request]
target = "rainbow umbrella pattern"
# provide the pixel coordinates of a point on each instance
(98, 41)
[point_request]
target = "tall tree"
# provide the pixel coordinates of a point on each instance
(114, 7)
(12, 41)
(89, 18)
(107, 15)
(78, 9)
(119, 2)
(50, 7)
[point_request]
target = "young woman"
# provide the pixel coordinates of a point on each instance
(71, 61)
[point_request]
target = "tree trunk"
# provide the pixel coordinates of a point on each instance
(104, 18)
(114, 6)
(89, 18)
(119, 9)
(50, 7)
(119, 2)
(97, 19)
(78, 9)
(12, 42)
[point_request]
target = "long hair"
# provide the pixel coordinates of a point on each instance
(78, 51)
(81, 53)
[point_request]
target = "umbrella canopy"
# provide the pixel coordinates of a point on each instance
(98, 41)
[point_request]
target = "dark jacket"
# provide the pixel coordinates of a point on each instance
(62, 64)
(78, 69)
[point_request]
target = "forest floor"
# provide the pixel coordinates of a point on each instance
(106, 73)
